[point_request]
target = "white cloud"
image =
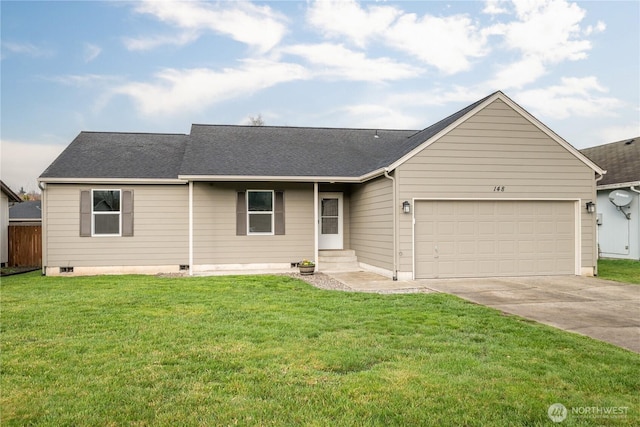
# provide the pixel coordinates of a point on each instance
(346, 18)
(439, 96)
(381, 117)
(152, 42)
(176, 91)
(28, 49)
(547, 29)
(599, 28)
(447, 43)
(518, 74)
(91, 52)
(618, 133)
(494, 7)
(256, 26)
(23, 162)
(83, 80)
(582, 97)
(337, 61)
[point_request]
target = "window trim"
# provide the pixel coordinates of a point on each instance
(272, 212)
(94, 213)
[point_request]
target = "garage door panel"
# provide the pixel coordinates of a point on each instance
(494, 238)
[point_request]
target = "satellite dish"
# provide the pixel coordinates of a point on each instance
(620, 198)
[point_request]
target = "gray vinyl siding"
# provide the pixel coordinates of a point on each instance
(214, 226)
(371, 218)
(496, 147)
(160, 237)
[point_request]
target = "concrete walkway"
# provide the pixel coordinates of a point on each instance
(604, 310)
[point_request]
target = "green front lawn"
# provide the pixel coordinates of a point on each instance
(269, 350)
(620, 270)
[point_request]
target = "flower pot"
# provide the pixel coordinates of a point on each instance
(307, 269)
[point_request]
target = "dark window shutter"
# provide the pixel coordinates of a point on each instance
(241, 214)
(279, 213)
(85, 213)
(127, 213)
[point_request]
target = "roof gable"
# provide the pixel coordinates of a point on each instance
(435, 132)
(621, 159)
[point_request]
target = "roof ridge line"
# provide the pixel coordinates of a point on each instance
(301, 127)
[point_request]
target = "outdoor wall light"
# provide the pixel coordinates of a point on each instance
(591, 207)
(406, 207)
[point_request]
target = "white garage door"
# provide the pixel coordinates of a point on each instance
(494, 238)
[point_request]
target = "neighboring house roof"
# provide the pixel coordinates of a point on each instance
(620, 159)
(13, 197)
(224, 152)
(26, 211)
(120, 155)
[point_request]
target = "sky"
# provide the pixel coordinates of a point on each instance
(159, 66)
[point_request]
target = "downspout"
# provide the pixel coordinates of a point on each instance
(395, 225)
(635, 190)
(190, 228)
(315, 225)
(43, 214)
(597, 248)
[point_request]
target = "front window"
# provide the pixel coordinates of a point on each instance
(260, 211)
(106, 212)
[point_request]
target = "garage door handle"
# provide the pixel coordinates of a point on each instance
(435, 250)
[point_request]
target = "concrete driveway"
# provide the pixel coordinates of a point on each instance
(604, 310)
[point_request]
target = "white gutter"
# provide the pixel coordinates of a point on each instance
(43, 224)
(597, 242)
(111, 181)
(395, 225)
(633, 188)
(277, 178)
(315, 225)
(190, 228)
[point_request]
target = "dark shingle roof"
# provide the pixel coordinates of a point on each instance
(26, 210)
(287, 151)
(620, 159)
(120, 155)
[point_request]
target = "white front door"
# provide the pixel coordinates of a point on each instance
(330, 215)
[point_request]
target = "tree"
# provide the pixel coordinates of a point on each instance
(256, 121)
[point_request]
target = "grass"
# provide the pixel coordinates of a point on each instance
(620, 270)
(269, 350)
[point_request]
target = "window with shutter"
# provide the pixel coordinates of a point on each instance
(106, 212)
(260, 212)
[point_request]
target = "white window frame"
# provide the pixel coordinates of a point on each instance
(272, 213)
(94, 213)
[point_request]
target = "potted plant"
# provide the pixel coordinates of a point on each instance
(306, 267)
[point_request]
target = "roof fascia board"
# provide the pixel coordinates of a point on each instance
(618, 185)
(111, 181)
(443, 132)
(247, 178)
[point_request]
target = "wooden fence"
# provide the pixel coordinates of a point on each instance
(25, 246)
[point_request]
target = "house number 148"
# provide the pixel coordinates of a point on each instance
(498, 188)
